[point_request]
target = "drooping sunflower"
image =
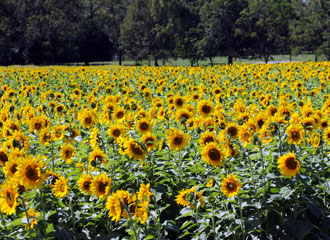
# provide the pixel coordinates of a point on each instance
(67, 153)
(97, 157)
(177, 139)
(61, 187)
(150, 141)
(212, 154)
(29, 172)
(295, 134)
(189, 197)
(101, 185)
(134, 150)
(207, 137)
(32, 218)
(288, 164)
(144, 125)
(84, 183)
(230, 186)
(205, 108)
(8, 197)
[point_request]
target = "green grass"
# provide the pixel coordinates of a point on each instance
(216, 61)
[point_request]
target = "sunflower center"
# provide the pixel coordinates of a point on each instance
(102, 187)
(179, 102)
(232, 131)
(208, 140)
(206, 109)
(260, 123)
(273, 111)
(149, 142)
(13, 168)
(10, 199)
(62, 188)
(116, 132)
(324, 124)
(120, 115)
(87, 185)
(31, 173)
(178, 140)
(246, 135)
(136, 149)
(295, 136)
(68, 153)
(59, 109)
(144, 126)
(3, 157)
(291, 163)
(37, 126)
(88, 120)
(214, 154)
(231, 187)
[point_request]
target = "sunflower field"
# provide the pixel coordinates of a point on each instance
(224, 152)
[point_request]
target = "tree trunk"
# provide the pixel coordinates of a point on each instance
(315, 57)
(211, 61)
(230, 60)
(119, 57)
(163, 61)
(156, 62)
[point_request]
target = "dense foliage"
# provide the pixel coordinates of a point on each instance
(49, 31)
(230, 152)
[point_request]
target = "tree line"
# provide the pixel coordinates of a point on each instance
(61, 31)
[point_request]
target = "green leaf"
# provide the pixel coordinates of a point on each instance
(149, 237)
(16, 222)
(50, 228)
(170, 225)
(285, 192)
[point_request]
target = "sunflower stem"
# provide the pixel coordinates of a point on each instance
(53, 159)
(295, 198)
(213, 223)
(280, 140)
(42, 212)
(4, 223)
(241, 216)
(27, 216)
(130, 220)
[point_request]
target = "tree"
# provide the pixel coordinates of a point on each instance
(218, 20)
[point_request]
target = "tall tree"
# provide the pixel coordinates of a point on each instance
(218, 19)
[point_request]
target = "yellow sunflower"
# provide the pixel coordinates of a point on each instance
(8, 197)
(288, 164)
(205, 108)
(230, 186)
(97, 157)
(87, 118)
(134, 150)
(118, 203)
(67, 153)
(32, 218)
(177, 139)
(60, 188)
(119, 113)
(101, 185)
(29, 172)
(315, 139)
(183, 115)
(149, 140)
(45, 136)
(84, 183)
(144, 194)
(232, 131)
(144, 125)
(295, 134)
(116, 130)
(11, 167)
(3, 157)
(189, 197)
(245, 135)
(212, 154)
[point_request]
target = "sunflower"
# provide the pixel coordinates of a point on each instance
(288, 164)
(324, 124)
(207, 137)
(67, 153)
(309, 123)
(183, 115)
(149, 140)
(84, 183)
(245, 135)
(144, 125)
(29, 172)
(97, 157)
(315, 139)
(295, 134)
(60, 188)
(230, 186)
(60, 109)
(189, 197)
(134, 150)
(210, 183)
(19, 140)
(57, 132)
(32, 217)
(144, 194)
(116, 130)
(232, 131)
(195, 97)
(177, 139)
(8, 197)
(326, 135)
(3, 157)
(118, 204)
(45, 136)
(87, 117)
(119, 113)
(100, 185)
(11, 167)
(271, 110)
(212, 154)
(205, 108)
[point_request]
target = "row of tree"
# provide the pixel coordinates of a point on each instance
(61, 31)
